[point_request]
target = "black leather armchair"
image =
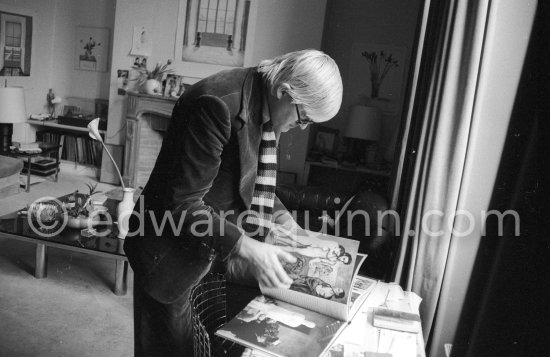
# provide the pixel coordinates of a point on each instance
(315, 208)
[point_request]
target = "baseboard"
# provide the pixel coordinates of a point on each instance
(74, 168)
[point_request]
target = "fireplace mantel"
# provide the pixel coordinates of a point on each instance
(147, 118)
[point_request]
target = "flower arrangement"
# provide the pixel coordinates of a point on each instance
(93, 132)
(82, 202)
(157, 73)
(379, 66)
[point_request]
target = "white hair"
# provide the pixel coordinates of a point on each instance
(314, 81)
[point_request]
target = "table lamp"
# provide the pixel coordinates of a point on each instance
(12, 111)
(364, 124)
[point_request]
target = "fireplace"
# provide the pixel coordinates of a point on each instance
(147, 119)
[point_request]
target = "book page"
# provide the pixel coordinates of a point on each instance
(281, 329)
(322, 274)
(330, 308)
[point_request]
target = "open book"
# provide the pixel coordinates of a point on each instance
(305, 319)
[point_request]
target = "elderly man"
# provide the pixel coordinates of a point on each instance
(218, 161)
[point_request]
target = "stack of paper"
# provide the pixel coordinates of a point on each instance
(363, 339)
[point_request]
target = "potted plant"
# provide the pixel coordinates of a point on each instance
(379, 66)
(149, 81)
(79, 212)
(125, 207)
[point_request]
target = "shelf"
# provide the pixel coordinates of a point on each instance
(360, 169)
(54, 124)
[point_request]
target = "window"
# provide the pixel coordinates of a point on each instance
(217, 16)
(15, 44)
(214, 31)
(13, 34)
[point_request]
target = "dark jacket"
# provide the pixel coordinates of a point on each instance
(207, 164)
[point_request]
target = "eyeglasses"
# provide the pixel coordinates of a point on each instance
(302, 121)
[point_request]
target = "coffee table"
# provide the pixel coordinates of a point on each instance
(106, 244)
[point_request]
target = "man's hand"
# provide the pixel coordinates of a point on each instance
(263, 262)
(286, 223)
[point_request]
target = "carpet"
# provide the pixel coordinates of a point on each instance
(72, 312)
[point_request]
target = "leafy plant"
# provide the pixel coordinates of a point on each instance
(82, 202)
(157, 73)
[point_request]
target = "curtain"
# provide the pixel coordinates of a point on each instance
(435, 144)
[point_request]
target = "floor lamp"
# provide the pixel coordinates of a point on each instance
(12, 111)
(364, 125)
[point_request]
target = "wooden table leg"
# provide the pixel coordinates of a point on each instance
(28, 188)
(121, 274)
(41, 268)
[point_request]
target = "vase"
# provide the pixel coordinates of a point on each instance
(151, 86)
(124, 211)
(375, 89)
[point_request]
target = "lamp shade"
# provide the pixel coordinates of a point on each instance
(364, 123)
(12, 105)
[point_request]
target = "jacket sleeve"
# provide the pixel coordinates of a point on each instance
(203, 131)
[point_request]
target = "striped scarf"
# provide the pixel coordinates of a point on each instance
(263, 197)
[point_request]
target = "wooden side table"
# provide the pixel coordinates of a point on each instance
(45, 150)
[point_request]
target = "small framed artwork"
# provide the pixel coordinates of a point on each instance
(16, 36)
(384, 63)
(325, 140)
(122, 81)
(101, 108)
(212, 32)
(92, 49)
(171, 85)
(174, 86)
(71, 110)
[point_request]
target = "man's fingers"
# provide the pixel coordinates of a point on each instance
(271, 280)
(282, 276)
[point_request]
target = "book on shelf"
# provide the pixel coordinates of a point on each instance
(78, 148)
(305, 319)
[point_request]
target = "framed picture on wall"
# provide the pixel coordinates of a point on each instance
(212, 32)
(325, 142)
(377, 72)
(15, 43)
(92, 49)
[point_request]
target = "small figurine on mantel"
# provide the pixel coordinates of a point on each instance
(52, 100)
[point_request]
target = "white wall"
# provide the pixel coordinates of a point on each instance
(36, 86)
(53, 51)
(67, 81)
(275, 27)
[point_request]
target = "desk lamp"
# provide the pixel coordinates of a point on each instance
(364, 125)
(12, 111)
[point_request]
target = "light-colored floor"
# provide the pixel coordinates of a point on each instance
(73, 312)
